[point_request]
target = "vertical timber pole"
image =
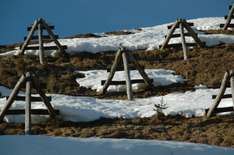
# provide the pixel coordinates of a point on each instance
(41, 51)
(127, 76)
(232, 85)
(28, 105)
(185, 49)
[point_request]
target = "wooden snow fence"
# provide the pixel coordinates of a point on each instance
(228, 78)
(31, 82)
(129, 63)
(182, 25)
(39, 26)
(228, 19)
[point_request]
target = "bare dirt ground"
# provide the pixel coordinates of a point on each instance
(218, 130)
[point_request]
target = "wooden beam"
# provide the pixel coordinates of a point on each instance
(33, 98)
(121, 68)
(30, 27)
(28, 122)
(232, 85)
(41, 48)
(170, 26)
(33, 112)
(185, 49)
(229, 18)
(219, 96)
(224, 96)
(25, 44)
(12, 97)
(166, 41)
(45, 47)
(193, 34)
(226, 17)
(44, 37)
(221, 110)
(112, 71)
(179, 35)
(145, 77)
(179, 45)
(127, 76)
(44, 98)
(229, 25)
(51, 34)
(133, 81)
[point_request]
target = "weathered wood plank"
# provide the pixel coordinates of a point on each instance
(228, 25)
(179, 35)
(12, 97)
(112, 71)
(221, 110)
(185, 49)
(226, 17)
(45, 47)
(33, 112)
(219, 96)
(33, 98)
(170, 26)
(44, 37)
(30, 27)
(40, 41)
(224, 96)
(28, 122)
(133, 81)
(179, 45)
(127, 76)
(121, 68)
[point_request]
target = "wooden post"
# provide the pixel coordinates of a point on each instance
(192, 33)
(169, 35)
(44, 98)
(41, 52)
(232, 85)
(28, 104)
(53, 37)
(219, 96)
(28, 37)
(185, 49)
(229, 18)
(127, 76)
(12, 97)
(112, 71)
(140, 70)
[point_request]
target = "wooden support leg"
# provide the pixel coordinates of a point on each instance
(28, 37)
(141, 71)
(219, 96)
(44, 98)
(112, 71)
(28, 105)
(185, 49)
(193, 34)
(232, 85)
(228, 21)
(127, 76)
(12, 97)
(169, 35)
(52, 36)
(41, 51)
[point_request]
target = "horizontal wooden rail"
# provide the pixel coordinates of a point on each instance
(45, 47)
(170, 26)
(224, 96)
(121, 68)
(33, 98)
(178, 35)
(229, 25)
(221, 110)
(33, 111)
(124, 82)
(45, 37)
(30, 27)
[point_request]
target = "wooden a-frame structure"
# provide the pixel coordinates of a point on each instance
(183, 25)
(228, 18)
(30, 82)
(39, 25)
(228, 78)
(116, 66)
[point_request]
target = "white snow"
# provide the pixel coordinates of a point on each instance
(77, 108)
(44, 145)
(149, 38)
(161, 77)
